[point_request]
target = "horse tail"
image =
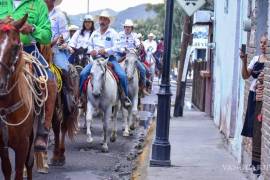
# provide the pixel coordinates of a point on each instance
(71, 125)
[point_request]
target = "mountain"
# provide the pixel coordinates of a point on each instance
(135, 13)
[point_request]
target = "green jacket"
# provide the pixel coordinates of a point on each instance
(37, 16)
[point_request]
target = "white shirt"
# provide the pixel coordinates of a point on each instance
(129, 41)
(59, 24)
(109, 41)
(78, 40)
(250, 67)
(150, 46)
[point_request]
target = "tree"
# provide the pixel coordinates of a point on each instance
(156, 25)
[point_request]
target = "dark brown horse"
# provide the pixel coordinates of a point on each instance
(66, 112)
(16, 102)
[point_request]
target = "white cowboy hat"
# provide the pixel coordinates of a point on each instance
(129, 23)
(151, 35)
(88, 17)
(106, 14)
(57, 2)
(73, 28)
(139, 35)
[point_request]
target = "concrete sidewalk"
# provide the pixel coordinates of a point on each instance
(197, 152)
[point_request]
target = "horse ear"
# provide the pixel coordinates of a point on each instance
(19, 23)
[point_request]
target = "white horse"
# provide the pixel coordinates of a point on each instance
(102, 94)
(130, 114)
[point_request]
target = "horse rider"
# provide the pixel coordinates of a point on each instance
(129, 40)
(60, 34)
(72, 29)
(37, 29)
(104, 42)
(81, 38)
(150, 45)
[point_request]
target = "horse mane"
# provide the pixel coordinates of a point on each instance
(22, 86)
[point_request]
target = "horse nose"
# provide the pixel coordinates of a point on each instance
(96, 94)
(130, 78)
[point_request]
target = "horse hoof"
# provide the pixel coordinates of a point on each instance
(112, 138)
(132, 127)
(125, 134)
(89, 139)
(104, 149)
(62, 161)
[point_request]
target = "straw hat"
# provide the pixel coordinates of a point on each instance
(129, 23)
(106, 14)
(139, 35)
(73, 28)
(88, 17)
(57, 2)
(151, 35)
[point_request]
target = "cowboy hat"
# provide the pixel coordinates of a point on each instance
(57, 2)
(129, 23)
(139, 35)
(151, 35)
(88, 17)
(105, 14)
(73, 28)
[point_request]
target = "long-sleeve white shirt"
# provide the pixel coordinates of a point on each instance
(150, 46)
(78, 40)
(128, 41)
(59, 24)
(108, 41)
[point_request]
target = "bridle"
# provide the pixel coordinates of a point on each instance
(10, 69)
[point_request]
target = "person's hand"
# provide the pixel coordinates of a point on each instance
(71, 50)
(243, 56)
(93, 53)
(102, 52)
(26, 29)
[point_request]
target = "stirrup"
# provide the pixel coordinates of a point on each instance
(127, 102)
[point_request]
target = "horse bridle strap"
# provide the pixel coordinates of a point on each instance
(5, 111)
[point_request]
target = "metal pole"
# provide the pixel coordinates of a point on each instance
(87, 6)
(161, 148)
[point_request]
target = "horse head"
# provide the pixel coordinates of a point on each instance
(98, 76)
(10, 50)
(131, 63)
(81, 57)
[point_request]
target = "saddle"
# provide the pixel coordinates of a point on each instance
(110, 68)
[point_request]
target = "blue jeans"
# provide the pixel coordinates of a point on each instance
(60, 58)
(32, 49)
(117, 69)
(142, 71)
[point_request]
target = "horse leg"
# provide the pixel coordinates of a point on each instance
(89, 119)
(30, 157)
(126, 124)
(20, 158)
(114, 124)
(133, 116)
(106, 118)
(62, 158)
(56, 152)
(5, 163)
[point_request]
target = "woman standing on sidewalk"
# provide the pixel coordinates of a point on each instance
(252, 124)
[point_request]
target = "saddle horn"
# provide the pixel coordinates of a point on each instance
(19, 23)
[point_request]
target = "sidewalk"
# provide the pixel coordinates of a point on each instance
(197, 152)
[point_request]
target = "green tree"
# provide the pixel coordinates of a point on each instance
(156, 26)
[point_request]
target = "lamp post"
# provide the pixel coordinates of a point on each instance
(87, 6)
(161, 147)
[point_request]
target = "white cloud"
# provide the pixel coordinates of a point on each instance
(80, 6)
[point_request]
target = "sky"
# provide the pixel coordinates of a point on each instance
(80, 6)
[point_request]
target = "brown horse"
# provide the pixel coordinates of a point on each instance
(16, 102)
(66, 111)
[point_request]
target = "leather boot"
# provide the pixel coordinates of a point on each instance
(45, 124)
